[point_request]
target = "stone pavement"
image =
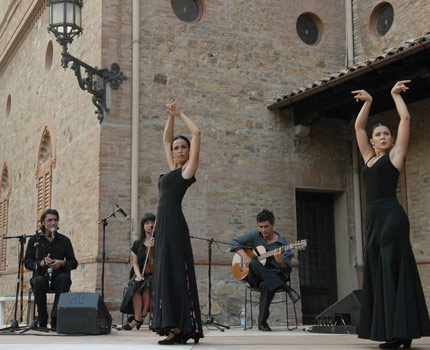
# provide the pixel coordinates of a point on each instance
(235, 339)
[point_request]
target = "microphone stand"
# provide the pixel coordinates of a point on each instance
(104, 224)
(33, 324)
(19, 283)
(210, 319)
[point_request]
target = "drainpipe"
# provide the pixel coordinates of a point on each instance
(357, 209)
(135, 123)
(357, 203)
(349, 59)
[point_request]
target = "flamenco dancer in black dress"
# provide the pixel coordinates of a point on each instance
(393, 305)
(138, 298)
(175, 309)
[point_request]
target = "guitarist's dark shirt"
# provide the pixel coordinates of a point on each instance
(254, 239)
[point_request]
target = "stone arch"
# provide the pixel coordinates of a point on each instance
(4, 181)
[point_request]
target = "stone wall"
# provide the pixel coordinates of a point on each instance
(42, 96)
(418, 182)
(221, 71)
(410, 21)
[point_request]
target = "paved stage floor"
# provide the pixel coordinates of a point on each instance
(235, 338)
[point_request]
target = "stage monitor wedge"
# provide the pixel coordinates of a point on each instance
(344, 312)
(83, 313)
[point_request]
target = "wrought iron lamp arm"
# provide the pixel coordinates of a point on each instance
(96, 80)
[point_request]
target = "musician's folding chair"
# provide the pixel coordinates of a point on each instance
(125, 316)
(248, 300)
(31, 310)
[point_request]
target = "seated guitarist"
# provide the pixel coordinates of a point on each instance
(277, 269)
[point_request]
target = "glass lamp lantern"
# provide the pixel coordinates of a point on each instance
(65, 20)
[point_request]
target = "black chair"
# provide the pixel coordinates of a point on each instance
(31, 310)
(248, 299)
(32, 297)
(125, 316)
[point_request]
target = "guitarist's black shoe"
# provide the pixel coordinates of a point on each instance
(264, 327)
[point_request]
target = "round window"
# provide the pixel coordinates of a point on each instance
(189, 11)
(382, 18)
(48, 56)
(308, 28)
(8, 106)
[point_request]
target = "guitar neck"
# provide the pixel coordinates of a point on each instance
(272, 252)
(269, 254)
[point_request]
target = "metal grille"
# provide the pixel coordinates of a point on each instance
(307, 29)
(315, 222)
(3, 231)
(317, 268)
(44, 185)
(384, 19)
(189, 11)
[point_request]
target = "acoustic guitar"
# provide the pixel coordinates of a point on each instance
(240, 271)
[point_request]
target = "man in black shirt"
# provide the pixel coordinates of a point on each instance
(275, 273)
(51, 258)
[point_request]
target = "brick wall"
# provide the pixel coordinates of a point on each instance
(410, 21)
(51, 97)
(417, 181)
(222, 71)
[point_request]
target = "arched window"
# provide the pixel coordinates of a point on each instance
(45, 163)
(4, 207)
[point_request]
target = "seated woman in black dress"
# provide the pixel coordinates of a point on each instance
(393, 307)
(141, 288)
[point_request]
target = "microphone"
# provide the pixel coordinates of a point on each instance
(53, 232)
(122, 212)
(50, 276)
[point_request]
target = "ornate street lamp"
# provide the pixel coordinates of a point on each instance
(65, 21)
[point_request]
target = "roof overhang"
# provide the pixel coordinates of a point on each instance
(331, 97)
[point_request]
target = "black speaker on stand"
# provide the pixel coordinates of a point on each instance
(343, 317)
(83, 313)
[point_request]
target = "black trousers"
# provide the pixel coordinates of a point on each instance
(267, 281)
(60, 284)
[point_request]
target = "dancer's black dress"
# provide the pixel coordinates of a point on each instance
(175, 301)
(393, 304)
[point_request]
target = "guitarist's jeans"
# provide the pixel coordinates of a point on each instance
(268, 281)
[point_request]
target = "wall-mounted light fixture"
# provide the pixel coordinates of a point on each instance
(65, 21)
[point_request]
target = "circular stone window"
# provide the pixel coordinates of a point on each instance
(188, 11)
(308, 28)
(382, 18)
(8, 106)
(48, 56)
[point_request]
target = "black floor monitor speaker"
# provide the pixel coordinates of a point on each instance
(344, 312)
(83, 313)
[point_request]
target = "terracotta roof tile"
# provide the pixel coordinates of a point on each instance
(286, 94)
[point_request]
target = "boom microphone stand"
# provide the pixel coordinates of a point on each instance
(210, 319)
(19, 284)
(33, 324)
(104, 224)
